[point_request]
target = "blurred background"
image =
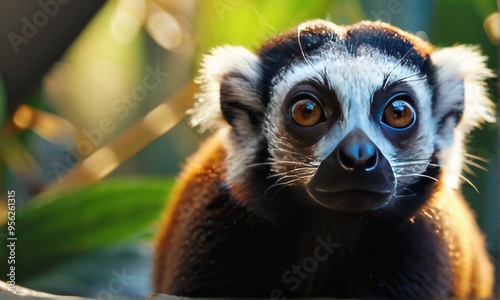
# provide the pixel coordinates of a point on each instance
(93, 130)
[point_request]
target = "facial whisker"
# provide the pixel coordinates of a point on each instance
(412, 192)
(287, 182)
(282, 184)
(289, 162)
(260, 164)
(418, 175)
(472, 156)
(388, 75)
(474, 164)
(306, 168)
(411, 163)
(299, 31)
(300, 28)
(286, 175)
(468, 170)
(469, 182)
(406, 79)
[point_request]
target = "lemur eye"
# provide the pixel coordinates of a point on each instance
(307, 112)
(398, 113)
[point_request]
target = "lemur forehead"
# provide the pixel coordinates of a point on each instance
(349, 76)
(318, 37)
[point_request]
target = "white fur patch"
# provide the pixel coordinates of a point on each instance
(221, 62)
(463, 66)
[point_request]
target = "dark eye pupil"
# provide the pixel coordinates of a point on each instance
(308, 108)
(399, 109)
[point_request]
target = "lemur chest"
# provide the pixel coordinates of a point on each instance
(333, 263)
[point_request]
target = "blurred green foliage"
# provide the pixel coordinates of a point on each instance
(248, 23)
(53, 229)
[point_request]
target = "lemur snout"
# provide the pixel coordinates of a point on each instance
(357, 152)
(355, 176)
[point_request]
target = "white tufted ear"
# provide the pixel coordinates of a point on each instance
(229, 89)
(460, 96)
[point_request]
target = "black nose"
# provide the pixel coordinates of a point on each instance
(357, 152)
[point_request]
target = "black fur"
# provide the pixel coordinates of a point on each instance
(245, 255)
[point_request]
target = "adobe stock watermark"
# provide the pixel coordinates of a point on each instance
(31, 26)
(224, 6)
(394, 7)
(11, 240)
(297, 274)
(116, 284)
(121, 106)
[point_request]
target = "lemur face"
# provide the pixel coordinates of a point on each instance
(354, 129)
(359, 117)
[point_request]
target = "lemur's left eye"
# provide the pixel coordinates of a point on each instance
(398, 113)
(307, 112)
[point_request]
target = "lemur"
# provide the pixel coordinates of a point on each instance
(333, 172)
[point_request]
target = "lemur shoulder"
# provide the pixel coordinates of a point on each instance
(334, 171)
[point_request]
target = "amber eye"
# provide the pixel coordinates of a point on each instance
(398, 113)
(307, 112)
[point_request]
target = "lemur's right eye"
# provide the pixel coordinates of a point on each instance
(307, 112)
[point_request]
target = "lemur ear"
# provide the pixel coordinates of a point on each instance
(460, 102)
(229, 90)
(460, 97)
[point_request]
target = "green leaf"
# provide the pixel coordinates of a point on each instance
(52, 228)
